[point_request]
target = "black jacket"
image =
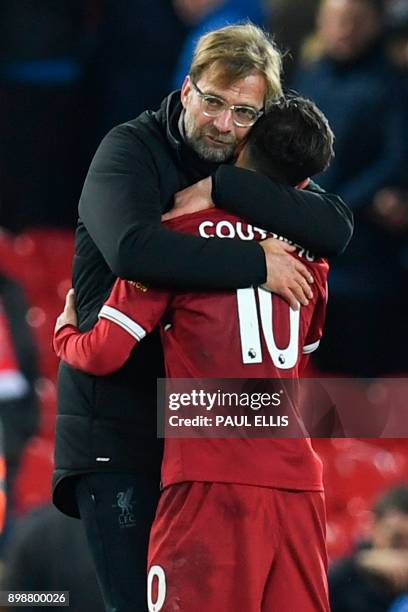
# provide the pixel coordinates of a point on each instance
(109, 422)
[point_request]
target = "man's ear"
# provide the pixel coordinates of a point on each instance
(185, 91)
(303, 184)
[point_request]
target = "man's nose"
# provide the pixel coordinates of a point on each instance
(223, 122)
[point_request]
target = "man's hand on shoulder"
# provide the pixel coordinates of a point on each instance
(192, 199)
(68, 316)
(286, 275)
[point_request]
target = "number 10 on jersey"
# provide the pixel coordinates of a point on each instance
(250, 329)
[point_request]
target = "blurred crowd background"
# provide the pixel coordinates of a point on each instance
(72, 69)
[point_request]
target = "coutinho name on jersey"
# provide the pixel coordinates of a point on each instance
(244, 231)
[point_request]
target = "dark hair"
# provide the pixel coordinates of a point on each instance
(291, 141)
(394, 499)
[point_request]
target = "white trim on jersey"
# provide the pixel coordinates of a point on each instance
(309, 348)
(118, 317)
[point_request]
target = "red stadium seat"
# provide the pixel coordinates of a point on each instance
(33, 484)
(355, 473)
(40, 259)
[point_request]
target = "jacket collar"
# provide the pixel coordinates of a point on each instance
(169, 118)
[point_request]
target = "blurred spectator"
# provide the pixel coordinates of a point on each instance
(391, 209)
(397, 32)
(18, 373)
(139, 48)
(3, 474)
(376, 576)
(400, 604)
(206, 15)
(43, 49)
(361, 93)
(291, 23)
(49, 553)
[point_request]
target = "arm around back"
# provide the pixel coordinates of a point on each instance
(121, 208)
(317, 220)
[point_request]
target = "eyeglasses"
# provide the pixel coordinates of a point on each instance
(213, 106)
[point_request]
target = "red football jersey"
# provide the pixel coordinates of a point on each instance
(248, 333)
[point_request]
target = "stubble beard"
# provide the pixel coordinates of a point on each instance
(195, 139)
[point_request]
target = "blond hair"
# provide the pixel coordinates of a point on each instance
(235, 52)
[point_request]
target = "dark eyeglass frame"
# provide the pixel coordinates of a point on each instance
(225, 106)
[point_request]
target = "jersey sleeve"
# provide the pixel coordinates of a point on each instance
(100, 351)
(135, 307)
(130, 313)
(315, 330)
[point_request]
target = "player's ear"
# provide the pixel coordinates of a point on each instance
(185, 91)
(303, 184)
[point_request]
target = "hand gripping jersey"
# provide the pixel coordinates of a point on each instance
(244, 333)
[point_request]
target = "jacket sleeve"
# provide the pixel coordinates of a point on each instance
(317, 220)
(121, 209)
